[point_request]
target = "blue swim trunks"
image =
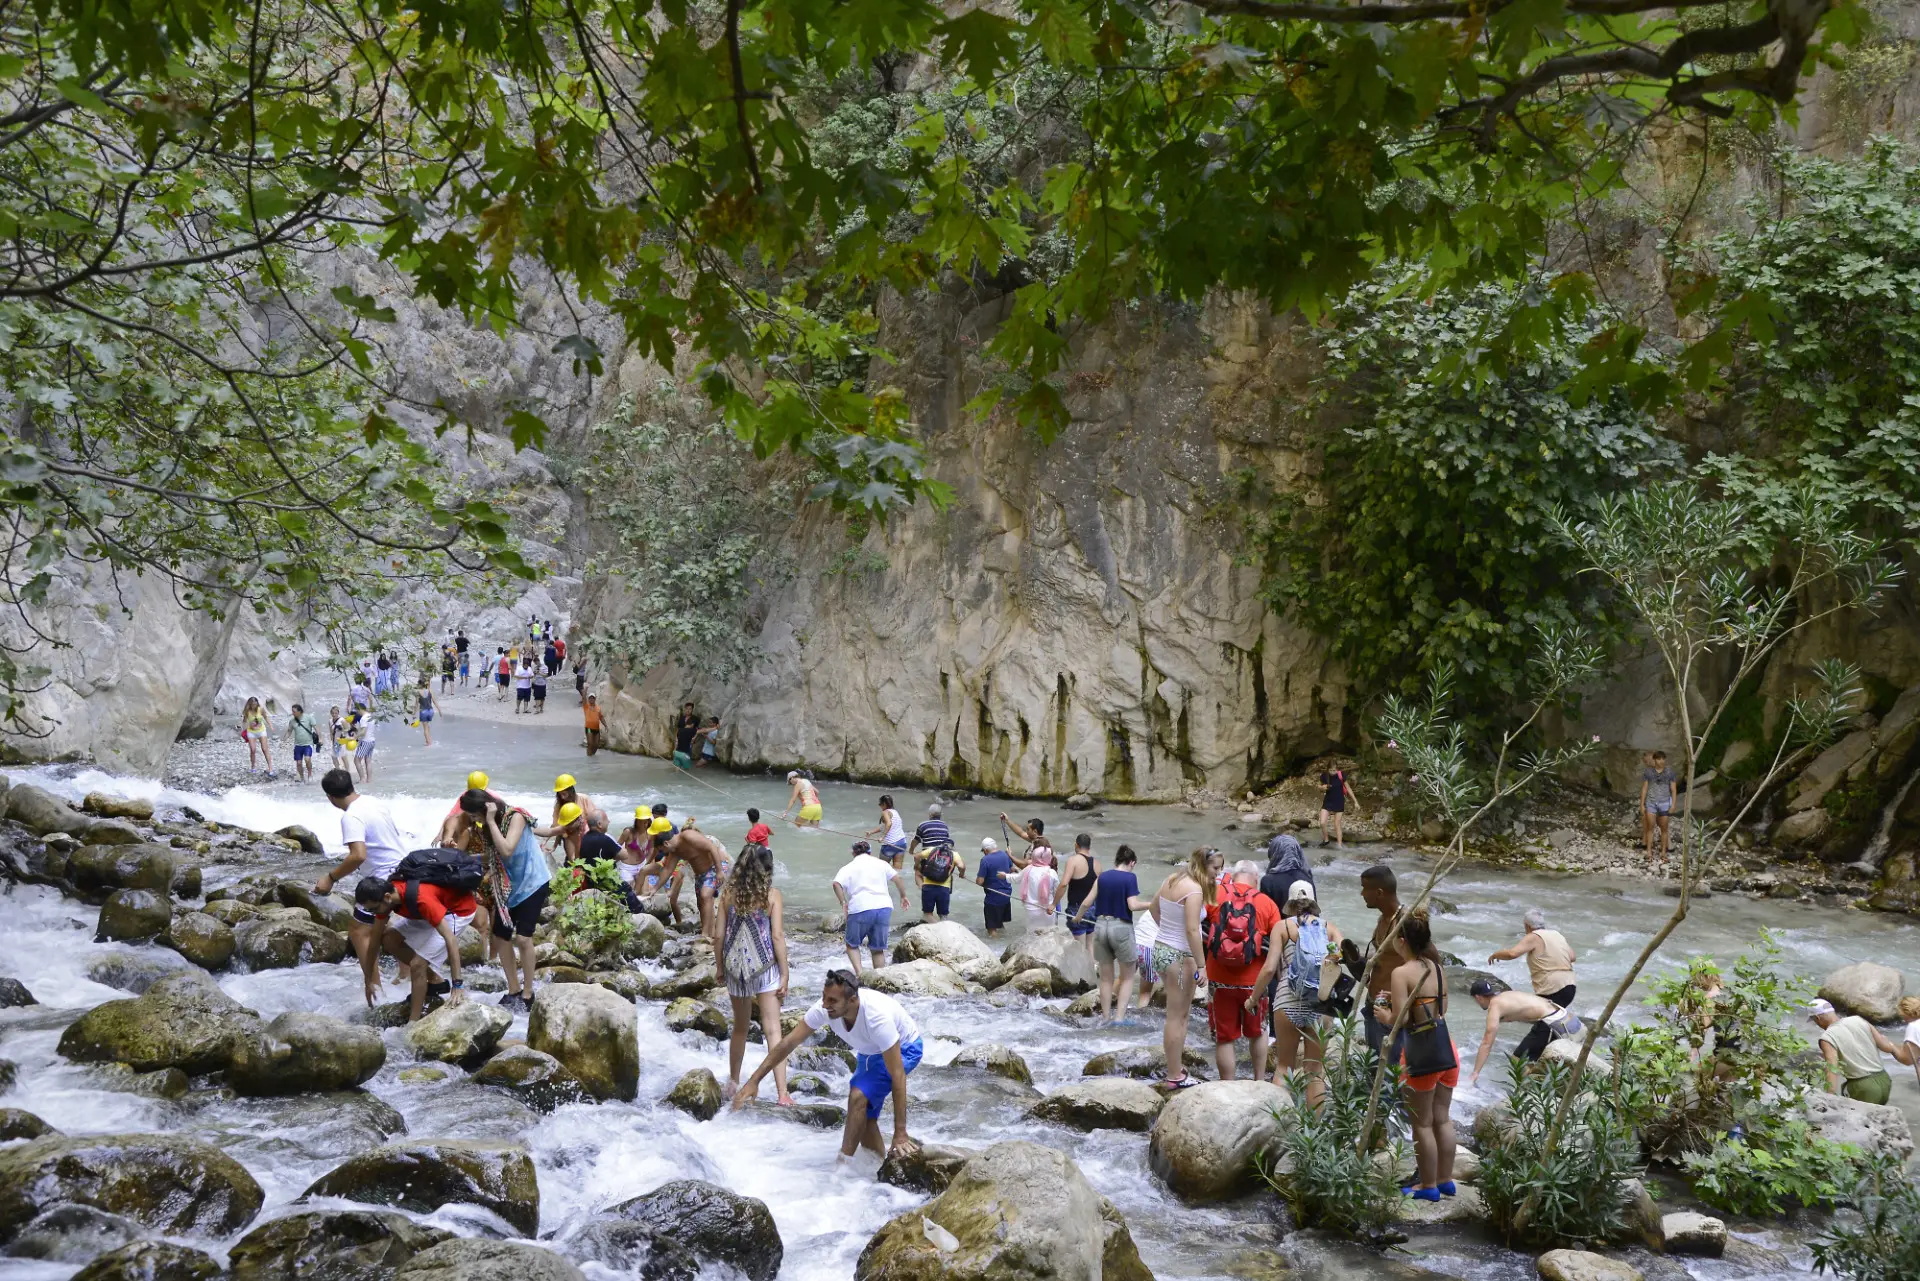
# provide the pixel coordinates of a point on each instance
(871, 1078)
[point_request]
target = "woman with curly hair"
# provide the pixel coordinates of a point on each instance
(753, 956)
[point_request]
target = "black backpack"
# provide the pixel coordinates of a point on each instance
(939, 864)
(448, 869)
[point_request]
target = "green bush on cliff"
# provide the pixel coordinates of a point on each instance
(1429, 542)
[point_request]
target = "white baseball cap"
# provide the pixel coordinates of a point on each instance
(1300, 892)
(1818, 1006)
(988, 843)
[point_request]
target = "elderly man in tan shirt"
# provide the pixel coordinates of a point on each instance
(1549, 959)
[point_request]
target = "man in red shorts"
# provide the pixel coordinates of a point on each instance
(1243, 945)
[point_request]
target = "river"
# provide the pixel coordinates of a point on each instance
(590, 1157)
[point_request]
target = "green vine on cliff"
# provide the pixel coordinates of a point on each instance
(1427, 542)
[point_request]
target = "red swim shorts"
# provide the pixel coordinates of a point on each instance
(1235, 1014)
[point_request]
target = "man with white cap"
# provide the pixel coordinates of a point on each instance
(1243, 939)
(993, 876)
(1853, 1059)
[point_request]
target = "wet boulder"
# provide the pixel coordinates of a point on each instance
(1019, 1212)
(133, 969)
(631, 1250)
(688, 1014)
(948, 942)
(1065, 958)
(537, 1079)
(649, 937)
(13, 994)
(1103, 1103)
(592, 1032)
(17, 1123)
(1205, 1141)
(109, 831)
(73, 1234)
(1143, 1063)
(331, 1245)
(302, 1051)
(133, 916)
(464, 1032)
(997, 1060)
(695, 980)
(697, 1094)
(1584, 1265)
(98, 870)
(714, 1225)
(917, 978)
(334, 911)
(201, 939)
(41, 812)
(1695, 1234)
(424, 1174)
(306, 840)
(182, 1021)
(1867, 988)
(163, 1182)
(274, 943)
(468, 1259)
(230, 911)
(101, 805)
(151, 1261)
(928, 1169)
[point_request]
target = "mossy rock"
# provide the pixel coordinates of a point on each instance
(182, 1021)
(423, 1175)
(168, 1183)
(151, 1261)
(331, 1245)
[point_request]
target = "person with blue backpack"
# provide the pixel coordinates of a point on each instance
(1307, 948)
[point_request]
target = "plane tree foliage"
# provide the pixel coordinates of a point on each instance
(190, 392)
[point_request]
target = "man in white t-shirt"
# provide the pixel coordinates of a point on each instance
(373, 846)
(865, 887)
(886, 1045)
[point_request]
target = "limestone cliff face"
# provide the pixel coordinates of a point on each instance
(1075, 619)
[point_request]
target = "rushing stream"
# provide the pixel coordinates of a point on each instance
(592, 1156)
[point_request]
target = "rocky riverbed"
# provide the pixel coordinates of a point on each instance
(194, 1087)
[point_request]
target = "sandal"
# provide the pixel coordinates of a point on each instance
(1186, 1081)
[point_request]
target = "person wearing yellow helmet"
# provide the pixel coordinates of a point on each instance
(636, 852)
(566, 792)
(478, 780)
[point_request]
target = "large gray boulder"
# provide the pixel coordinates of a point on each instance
(335, 911)
(463, 1032)
(1103, 1103)
(1584, 1265)
(917, 978)
(1876, 1129)
(164, 1182)
(18, 1123)
(1695, 1234)
(41, 812)
(151, 1261)
(1205, 1142)
(592, 1032)
(468, 1259)
(331, 1245)
(202, 939)
(102, 805)
(539, 1080)
(948, 942)
(1866, 988)
(1056, 951)
(1020, 1212)
(424, 1174)
(712, 1224)
(281, 942)
(996, 1060)
(133, 969)
(182, 1021)
(70, 1233)
(302, 1051)
(109, 831)
(97, 870)
(133, 916)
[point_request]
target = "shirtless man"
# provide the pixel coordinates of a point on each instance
(1550, 1021)
(1379, 890)
(701, 853)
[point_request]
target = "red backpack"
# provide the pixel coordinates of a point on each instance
(1233, 935)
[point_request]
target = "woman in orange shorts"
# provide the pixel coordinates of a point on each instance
(1429, 1058)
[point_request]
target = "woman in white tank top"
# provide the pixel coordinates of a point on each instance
(1179, 907)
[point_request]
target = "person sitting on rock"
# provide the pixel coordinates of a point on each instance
(422, 925)
(886, 1044)
(1551, 1022)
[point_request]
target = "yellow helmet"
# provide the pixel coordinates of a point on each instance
(569, 814)
(477, 781)
(562, 783)
(658, 826)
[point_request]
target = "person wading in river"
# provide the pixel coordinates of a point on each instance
(1179, 907)
(886, 1045)
(1242, 938)
(1549, 959)
(1304, 948)
(518, 887)
(1379, 890)
(420, 923)
(306, 735)
(1551, 1022)
(1418, 1005)
(892, 833)
(1076, 889)
(1908, 1051)
(699, 852)
(807, 797)
(374, 849)
(865, 887)
(753, 956)
(1115, 898)
(1853, 1056)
